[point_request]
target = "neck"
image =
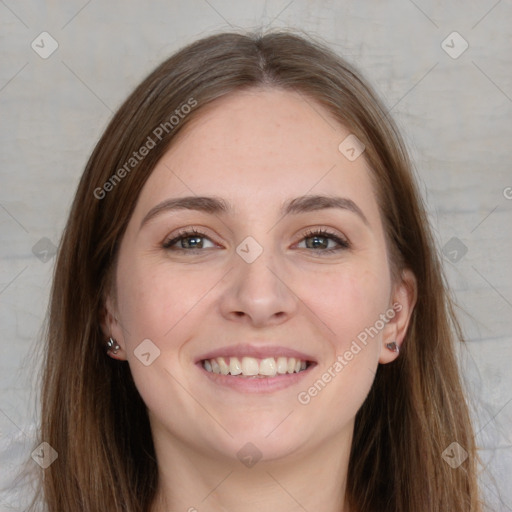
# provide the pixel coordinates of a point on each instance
(312, 480)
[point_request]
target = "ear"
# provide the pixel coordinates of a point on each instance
(402, 304)
(111, 328)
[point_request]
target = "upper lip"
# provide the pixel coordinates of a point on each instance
(256, 351)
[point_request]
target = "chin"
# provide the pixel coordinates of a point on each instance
(271, 438)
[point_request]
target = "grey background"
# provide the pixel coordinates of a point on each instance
(454, 113)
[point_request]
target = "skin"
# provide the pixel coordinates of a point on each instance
(255, 149)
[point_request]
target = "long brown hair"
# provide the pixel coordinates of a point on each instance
(92, 414)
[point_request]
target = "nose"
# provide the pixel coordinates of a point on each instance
(258, 294)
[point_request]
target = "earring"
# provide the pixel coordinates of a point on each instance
(112, 345)
(393, 346)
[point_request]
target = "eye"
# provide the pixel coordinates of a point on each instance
(324, 241)
(187, 240)
(321, 241)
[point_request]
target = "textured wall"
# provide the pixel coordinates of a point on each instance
(452, 99)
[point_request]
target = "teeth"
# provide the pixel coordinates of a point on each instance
(224, 368)
(252, 367)
(235, 368)
(282, 365)
(268, 367)
(215, 366)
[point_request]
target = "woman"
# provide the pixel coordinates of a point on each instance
(247, 311)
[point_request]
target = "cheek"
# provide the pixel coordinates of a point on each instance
(158, 303)
(143, 298)
(350, 301)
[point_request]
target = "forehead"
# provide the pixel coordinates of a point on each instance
(259, 141)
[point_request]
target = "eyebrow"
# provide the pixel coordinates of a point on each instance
(217, 205)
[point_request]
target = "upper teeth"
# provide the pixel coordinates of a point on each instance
(251, 366)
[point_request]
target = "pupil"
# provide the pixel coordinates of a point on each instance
(318, 241)
(193, 242)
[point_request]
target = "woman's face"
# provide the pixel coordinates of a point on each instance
(227, 265)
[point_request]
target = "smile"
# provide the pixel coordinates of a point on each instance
(247, 366)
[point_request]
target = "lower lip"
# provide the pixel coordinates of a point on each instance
(256, 384)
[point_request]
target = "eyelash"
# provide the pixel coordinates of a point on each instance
(324, 233)
(320, 233)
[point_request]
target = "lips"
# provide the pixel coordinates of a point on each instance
(255, 368)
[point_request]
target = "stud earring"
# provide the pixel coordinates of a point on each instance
(393, 346)
(112, 346)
